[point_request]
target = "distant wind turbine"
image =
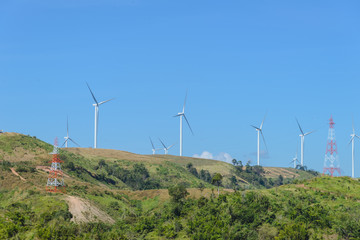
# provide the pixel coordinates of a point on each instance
(302, 136)
(295, 160)
(352, 141)
(96, 105)
(166, 149)
(67, 138)
(259, 131)
(153, 147)
(181, 115)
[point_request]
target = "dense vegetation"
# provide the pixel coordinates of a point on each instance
(322, 208)
(119, 186)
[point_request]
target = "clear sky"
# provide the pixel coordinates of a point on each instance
(237, 59)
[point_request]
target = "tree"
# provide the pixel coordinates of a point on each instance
(217, 180)
(102, 163)
(201, 187)
(205, 175)
(280, 180)
(189, 165)
(178, 192)
(239, 166)
(248, 167)
(234, 162)
(233, 182)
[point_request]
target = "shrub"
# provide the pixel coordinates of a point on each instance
(178, 192)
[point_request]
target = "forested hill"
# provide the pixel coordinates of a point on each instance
(118, 169)
(113, 194)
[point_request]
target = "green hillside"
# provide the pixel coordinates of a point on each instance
(120, 195)
(117, 169)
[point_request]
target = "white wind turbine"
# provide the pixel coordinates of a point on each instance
(181, 115)
(295, 160)
(302, 136)
(352, 141)
(259, 131)
(153, 147)
(67, 138)
(166, 149)
(96, 105)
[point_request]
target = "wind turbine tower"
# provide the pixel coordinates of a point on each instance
(331, 162)
(295, 160)
(302, 138)
(166, 149)
(67, 138)
(153, 147)
(96, 105)
(352, 141)
(259, 131)
(181, 115)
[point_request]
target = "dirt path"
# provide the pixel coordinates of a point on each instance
(83, 211)
(15, 173)
(47, 169)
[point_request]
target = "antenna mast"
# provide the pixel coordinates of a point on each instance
(55, 181)
(331, 162)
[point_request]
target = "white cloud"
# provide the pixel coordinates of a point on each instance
(225, 157)
(204, 154)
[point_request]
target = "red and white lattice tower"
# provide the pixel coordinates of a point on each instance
(331, 163)
(55, 181)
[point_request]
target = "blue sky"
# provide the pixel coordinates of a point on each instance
(237, 59)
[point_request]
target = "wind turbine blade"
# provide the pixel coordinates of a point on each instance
(152, 144)
(171, 146)
(255, 127)
(184, 102)
(357, 136)
(188, 124)
(106, 101)
(64, 142)
(162, 143)
(297, 148)
(262, 122)
(351, 140)
(299, 126)
(309, 133)
(92, 94)
(178, 115)
(67, 126)
(264, 140)
(74, 142)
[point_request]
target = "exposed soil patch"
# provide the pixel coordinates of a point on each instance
(47, 169)
(84, 211)
(114, 154)
(273, 172)
(16, 174)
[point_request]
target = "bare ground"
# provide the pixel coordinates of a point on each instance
(16, 174)
(47, 169)
(84, 211)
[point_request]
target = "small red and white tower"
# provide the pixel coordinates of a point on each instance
(55, 181)
(331, 163)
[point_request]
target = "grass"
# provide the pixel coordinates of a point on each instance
(26, 152)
